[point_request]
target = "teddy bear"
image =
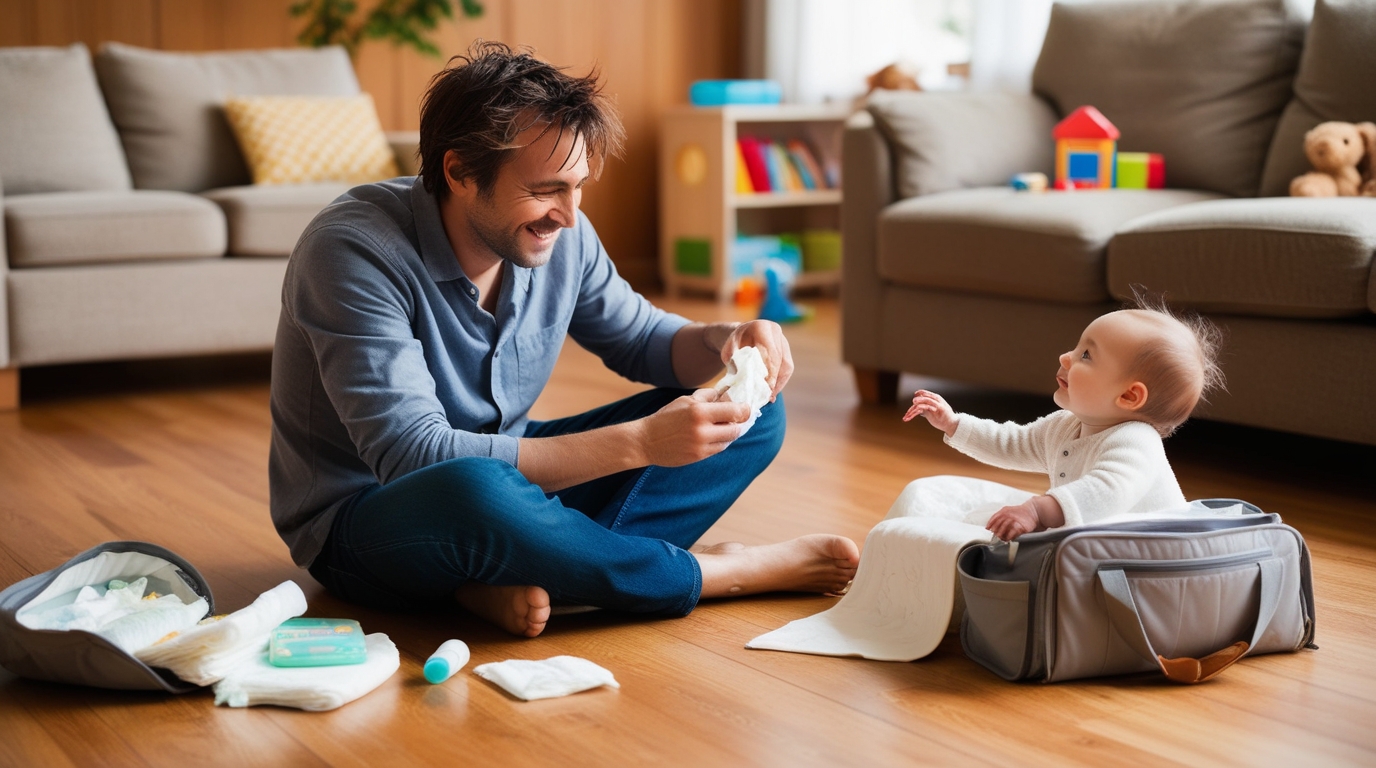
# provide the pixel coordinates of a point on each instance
(1342, 155)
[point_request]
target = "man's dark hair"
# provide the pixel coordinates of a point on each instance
(484, 99)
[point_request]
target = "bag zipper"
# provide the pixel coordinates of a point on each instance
(1195, 564)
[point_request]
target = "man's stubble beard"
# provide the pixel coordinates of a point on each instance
(504, 243)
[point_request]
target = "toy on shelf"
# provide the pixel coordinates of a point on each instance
(1086, 143)
(1141, 170)
(717, 93)
(778, 284)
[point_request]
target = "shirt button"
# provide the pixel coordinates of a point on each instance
(472, 291)
(1062, 474)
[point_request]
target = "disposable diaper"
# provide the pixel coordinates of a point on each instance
(205, 653)
(746, 381)
(557, 676)
(120, 613)
(316, 689)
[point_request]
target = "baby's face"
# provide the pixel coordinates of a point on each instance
(1093, 376)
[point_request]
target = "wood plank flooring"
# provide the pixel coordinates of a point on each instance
(175, 452)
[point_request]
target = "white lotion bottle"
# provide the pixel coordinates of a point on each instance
(445, 661)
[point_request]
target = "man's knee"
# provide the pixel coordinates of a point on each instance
(766, 435)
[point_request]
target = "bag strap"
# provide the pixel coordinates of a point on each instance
(1122, 611)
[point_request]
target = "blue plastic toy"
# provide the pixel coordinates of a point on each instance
(778, 279)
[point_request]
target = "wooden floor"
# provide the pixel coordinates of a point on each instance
(176, 453)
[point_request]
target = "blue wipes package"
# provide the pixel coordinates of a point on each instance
(317, 643)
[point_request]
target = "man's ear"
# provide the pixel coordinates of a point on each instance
(453, 172)
(1133, 398)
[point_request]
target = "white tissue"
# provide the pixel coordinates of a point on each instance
(746, 381)
(557, 676)
(205, 653)
(315, 689)
(905, 596)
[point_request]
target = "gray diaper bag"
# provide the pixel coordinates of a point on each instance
(1187, 596)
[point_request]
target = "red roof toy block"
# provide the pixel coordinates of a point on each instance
(1085, 123)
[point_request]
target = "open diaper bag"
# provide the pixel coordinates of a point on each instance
(83, 657)
(1187, 596)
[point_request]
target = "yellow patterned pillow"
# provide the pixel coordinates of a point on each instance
(294, 139)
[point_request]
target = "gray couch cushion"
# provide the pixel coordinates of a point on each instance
(1277, 257)
(168, 106)
(267, 220)
(55, 133)
(1336, 81)
(1019, 244)
(945, 141)
(1203, 83)
(94, 227)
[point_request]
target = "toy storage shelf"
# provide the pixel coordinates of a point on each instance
(697, 186)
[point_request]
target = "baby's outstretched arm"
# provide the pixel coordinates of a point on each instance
(1036, 514)
(934, 409)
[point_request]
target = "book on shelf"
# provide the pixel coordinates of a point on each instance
(754, 163)
(771, 164)
(807, 164)
(743, 184)
(780, 166)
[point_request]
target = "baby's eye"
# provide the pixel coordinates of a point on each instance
(1084, 355)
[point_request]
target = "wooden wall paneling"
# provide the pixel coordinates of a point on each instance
(258, 24)
(134, 22)
(15, 23)
(376, 65)
(415, 69)
(192, 25)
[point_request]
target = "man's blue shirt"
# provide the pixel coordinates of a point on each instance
(386, 363)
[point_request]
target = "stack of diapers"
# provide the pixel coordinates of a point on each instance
(315, 689)
(556, 676)
(746, 381)
(905, 596)
(205, 653)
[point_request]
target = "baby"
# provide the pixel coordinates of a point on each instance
(1135, 376)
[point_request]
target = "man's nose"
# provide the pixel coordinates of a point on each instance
(566, 211)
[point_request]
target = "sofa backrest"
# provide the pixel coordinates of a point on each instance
(1202, 83)
(1336, 81)
(55, 133)
(169, 106)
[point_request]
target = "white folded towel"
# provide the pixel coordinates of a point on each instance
(746, 381)
(206, 652)
(905, 595)
(316, 689)
(557, 676)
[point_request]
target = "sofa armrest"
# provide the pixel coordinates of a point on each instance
(406, 146)
(866, 187)
(951, 140)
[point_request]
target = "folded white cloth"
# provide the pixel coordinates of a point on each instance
(316, 689)
(905, 595)
(206, 652)
(556, 676)
(746, 381)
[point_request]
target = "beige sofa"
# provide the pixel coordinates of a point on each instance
(130, 226)
(950, 273)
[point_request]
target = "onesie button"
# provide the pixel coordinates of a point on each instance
(1065, 453)
(1062, 474)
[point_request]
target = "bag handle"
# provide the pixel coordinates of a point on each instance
(1122, 612)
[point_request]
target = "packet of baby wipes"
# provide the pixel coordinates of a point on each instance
(317, 643)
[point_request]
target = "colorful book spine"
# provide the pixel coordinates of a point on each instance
(807, 164)
(793, 182)
(777, 182)
(754, 163)
(743, 184)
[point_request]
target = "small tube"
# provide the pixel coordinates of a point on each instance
(445, 661)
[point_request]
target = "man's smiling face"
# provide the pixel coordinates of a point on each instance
(535, 195)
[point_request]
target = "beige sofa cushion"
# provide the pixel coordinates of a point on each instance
(55, 133)
(168, 106)
(1203, 83)
(1275, 257)
(1019, 244)
(1336, 81)
(945, 141)
(95, 227)
(267, 220)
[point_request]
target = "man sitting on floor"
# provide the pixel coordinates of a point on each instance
(421, 318)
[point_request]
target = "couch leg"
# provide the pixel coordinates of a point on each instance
(9, 389)
(876, 387)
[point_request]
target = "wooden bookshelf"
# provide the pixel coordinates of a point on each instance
(698, 198)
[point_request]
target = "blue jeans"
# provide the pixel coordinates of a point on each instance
(617, 542)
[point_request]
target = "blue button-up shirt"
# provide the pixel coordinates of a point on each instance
(385, 362)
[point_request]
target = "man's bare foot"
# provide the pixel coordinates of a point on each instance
(717, 549)
(519, 610)
(816, 563)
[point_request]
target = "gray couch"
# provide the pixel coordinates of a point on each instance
(950, 273)
(130, 227)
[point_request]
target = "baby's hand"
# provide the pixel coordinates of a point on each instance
(1011, 522)
(934, 409)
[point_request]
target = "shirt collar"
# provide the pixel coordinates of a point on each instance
(436, 252)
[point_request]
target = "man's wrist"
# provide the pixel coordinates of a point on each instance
(714, 335)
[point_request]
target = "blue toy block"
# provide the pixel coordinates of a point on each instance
(1083, 165)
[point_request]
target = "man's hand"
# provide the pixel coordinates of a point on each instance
(933, 408)
(769, 339)
(691, 428)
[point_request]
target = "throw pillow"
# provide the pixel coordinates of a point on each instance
(298, 139)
